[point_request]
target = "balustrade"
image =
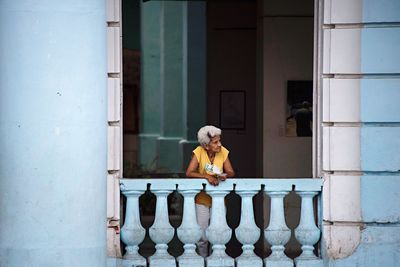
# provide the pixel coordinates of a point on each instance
(218, 233)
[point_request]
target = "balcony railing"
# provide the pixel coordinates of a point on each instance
(247, 233)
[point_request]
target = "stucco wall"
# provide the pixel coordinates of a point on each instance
(53, 128)
(361, 133)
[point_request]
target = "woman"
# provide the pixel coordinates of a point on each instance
(209, 160)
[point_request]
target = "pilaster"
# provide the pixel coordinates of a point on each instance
(361, 130)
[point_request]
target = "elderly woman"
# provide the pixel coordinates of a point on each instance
(209, 160)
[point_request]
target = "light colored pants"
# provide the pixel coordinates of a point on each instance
(203, 219)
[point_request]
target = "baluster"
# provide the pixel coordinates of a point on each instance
(132, 233)
(247, 233)
(307, 233)
(277, 233)
(161, 232)
(218, 232)
(189, 232)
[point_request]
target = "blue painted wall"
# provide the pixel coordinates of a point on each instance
(380, 138)
(380, 146)
(381, 11)
(380, 100)
(53, 119)
(378, 248)
(379, 50)
(380, 198)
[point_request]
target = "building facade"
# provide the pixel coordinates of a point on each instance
(61, 118)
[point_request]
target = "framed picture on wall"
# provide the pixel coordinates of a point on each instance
(232, 113)
(299, 103)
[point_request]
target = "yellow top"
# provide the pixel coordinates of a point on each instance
(205, 166)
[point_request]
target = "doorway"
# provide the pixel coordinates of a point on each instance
(255, 49)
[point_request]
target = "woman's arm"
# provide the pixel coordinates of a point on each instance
(228, 169)
(192, 171)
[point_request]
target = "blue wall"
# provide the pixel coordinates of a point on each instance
(380, 138)
(53, 133)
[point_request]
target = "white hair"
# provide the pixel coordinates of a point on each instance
(207, 132)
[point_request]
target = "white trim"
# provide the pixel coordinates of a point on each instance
(114, 96)
(317, 90)
(115, 127)
(343, 11)
(114, 52)
(113, 10)
(341, 98)
(341, 148)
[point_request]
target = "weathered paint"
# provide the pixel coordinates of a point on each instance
(53, 131)
(379, 246)
(341, 240)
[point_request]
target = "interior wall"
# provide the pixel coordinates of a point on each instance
(287, 55)
(231, 65)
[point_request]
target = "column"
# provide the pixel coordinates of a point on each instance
(190, 232)
(150, 94)
(132, 233)
(277, 233)
(171, 86)
(307, 233)
(161, 232)
(218, 233)
(194, 73)
(247, 233)
(173, 83)
(53, 133)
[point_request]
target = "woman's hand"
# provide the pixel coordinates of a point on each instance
(212, 179)
(222, 176)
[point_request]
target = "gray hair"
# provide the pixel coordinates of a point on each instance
(207, 132)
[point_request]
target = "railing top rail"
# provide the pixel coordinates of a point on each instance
(238, 184)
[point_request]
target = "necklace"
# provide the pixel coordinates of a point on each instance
(211, 157)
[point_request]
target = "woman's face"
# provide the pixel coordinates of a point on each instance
(215, 144)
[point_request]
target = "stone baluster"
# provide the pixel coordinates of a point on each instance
(161, 232)
(132, 233)
(247, 233)
(218, 232)
(277, 233)
(307, 233)
(190, 232)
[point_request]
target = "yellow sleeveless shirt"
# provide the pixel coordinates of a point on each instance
(205, 166)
